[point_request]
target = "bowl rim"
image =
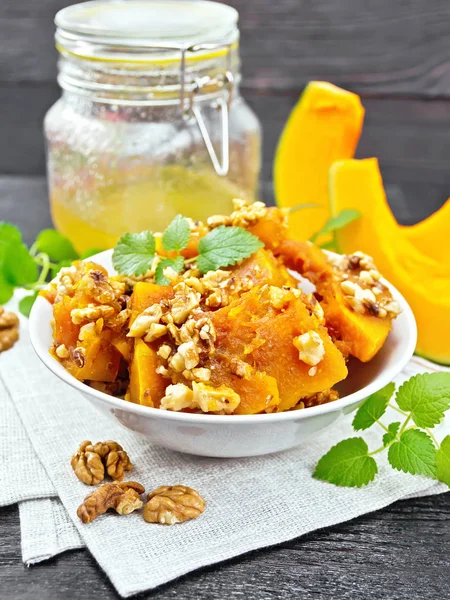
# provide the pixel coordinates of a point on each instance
(385, 376)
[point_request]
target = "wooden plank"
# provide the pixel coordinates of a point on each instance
(386, 47)
(400, 552)
(410, 138)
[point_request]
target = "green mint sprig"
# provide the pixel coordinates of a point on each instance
(221, 247)
(411, 446)
(334, 224)
(31, 268)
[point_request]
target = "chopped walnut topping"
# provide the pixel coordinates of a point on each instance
(78, 356)
(85, 332)
(318, 398)
(118, 321)
(279, 297)
(244, 214)
(206, 398)
(90, 313)
(62, 352)
(183, 303)
(156, 330)
(201, 374)
(124, 498)
(241, 368)
(65, 282)
(310, 348)
(164, 351)
(189, 353)
(169, 505)
(142, 323)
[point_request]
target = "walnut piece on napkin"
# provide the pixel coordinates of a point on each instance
(169, 505)
(124, 498)
(9, 329)
(90, 461)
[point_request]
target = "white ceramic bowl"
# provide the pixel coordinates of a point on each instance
(239, 435)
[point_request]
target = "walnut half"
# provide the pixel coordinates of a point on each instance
(124, 498)
(91, 460)
(9, 329)
(169, 505)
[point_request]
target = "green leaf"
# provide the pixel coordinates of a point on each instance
(414, 453)
(9, 233)
(6, 289)
(443, 461)
(56, 245)
(177, 234)
(392, 434)
(177, 265)
(19, 267)
(346, 216)
(298, 207)
(91, 252)
(426, 396)
(373, 408)
(329, 246)
(225, 246)
(26, 303)
(347, 464)
(134, 253)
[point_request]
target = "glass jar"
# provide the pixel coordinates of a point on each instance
(150, 123)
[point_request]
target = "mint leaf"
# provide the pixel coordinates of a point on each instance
(56, 245)
(414, 453)
(90, 252)
(177, 234)
(134, 253)
(347, 464)
(426, 396)
(373, 408)
(9, 233)
(225, 246)
(392, 434)
(346, 216)
(19, 267)
(177, 265)
(6, 289)
(298, 207)
(26, 304)
(443, 461)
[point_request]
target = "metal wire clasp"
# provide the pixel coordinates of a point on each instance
(224, 81)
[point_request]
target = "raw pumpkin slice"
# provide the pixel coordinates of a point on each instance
(423, 280)
(323, 127)
(427, 235)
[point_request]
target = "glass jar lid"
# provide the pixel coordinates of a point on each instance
(145, 30)
(161, 34)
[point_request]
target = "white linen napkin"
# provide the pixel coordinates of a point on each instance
(251, 503)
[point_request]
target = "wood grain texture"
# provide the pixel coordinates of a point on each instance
(383, 47)
(400, 552)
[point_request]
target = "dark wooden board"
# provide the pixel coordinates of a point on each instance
(387, 47)
(399, 553)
